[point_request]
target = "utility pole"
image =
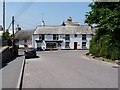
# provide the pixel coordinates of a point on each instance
(13, 35)
(3, 15)
(13, 27)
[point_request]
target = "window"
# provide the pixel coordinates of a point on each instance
(84, 37)
(51, 45)
(67, 37)
(75, 35)
(83, 44)
(55, 37)
(67, 44)
(41, 37)
(25, 42)
(39, 44)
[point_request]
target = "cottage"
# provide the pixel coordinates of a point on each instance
(24, 37)
(69, 35)
(62, 37)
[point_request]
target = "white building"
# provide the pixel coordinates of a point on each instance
(62, 37)
(24, 37)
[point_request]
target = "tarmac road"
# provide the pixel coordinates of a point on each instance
(68, 69)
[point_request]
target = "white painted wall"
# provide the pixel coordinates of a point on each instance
(73, 39)
(33, 41)
(89, 37)
(62, 37)
(34, 38)
(48, 37)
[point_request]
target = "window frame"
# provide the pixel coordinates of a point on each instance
(67, 44)
(41, 37)
(84, 37)
(75, 35)
(84, 44)
(67, 37)
(55, 36)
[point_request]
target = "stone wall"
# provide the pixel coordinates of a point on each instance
(6, 53)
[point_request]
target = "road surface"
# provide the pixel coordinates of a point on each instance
(68, 69)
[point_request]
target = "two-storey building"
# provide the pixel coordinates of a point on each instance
(69, 35)
(62, 37)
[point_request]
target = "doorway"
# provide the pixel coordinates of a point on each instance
(75, 45)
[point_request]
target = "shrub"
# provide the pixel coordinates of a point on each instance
(105, 47)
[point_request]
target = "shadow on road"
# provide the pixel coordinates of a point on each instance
(31, 57)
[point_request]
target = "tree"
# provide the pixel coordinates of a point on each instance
(6, 39)
(6, 35)
(105, 16)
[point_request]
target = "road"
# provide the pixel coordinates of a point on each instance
(68, 69)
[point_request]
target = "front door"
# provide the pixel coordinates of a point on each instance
(75, 45)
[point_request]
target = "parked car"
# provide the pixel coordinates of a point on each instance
(30, 52)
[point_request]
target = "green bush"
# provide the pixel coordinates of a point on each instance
(5, 35)
(106, 47)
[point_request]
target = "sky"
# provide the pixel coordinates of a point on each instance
(30, 14)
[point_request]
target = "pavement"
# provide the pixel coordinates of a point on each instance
(68, 69)
(11, 73)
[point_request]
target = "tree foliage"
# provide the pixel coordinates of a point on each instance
(105, 16)
(6, 35)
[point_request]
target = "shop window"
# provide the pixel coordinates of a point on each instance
(51, 45)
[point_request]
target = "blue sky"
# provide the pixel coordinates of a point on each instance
(29, 14)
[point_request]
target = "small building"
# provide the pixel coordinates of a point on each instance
(24, 37)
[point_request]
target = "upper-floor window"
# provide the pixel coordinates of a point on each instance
(67, 37)
(75, 35)
(41, 37)
(84, 37)
(55, 37)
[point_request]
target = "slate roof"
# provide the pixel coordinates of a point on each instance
(82, 29)
(24, 34)
(72, 23)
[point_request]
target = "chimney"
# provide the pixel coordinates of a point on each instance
(63, 24)
(18, 28)
(43, 23)
(69, 19)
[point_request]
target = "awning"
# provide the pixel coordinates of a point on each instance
(60, 41)
(38, 41)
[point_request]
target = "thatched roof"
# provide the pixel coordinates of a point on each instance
(24, 34)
